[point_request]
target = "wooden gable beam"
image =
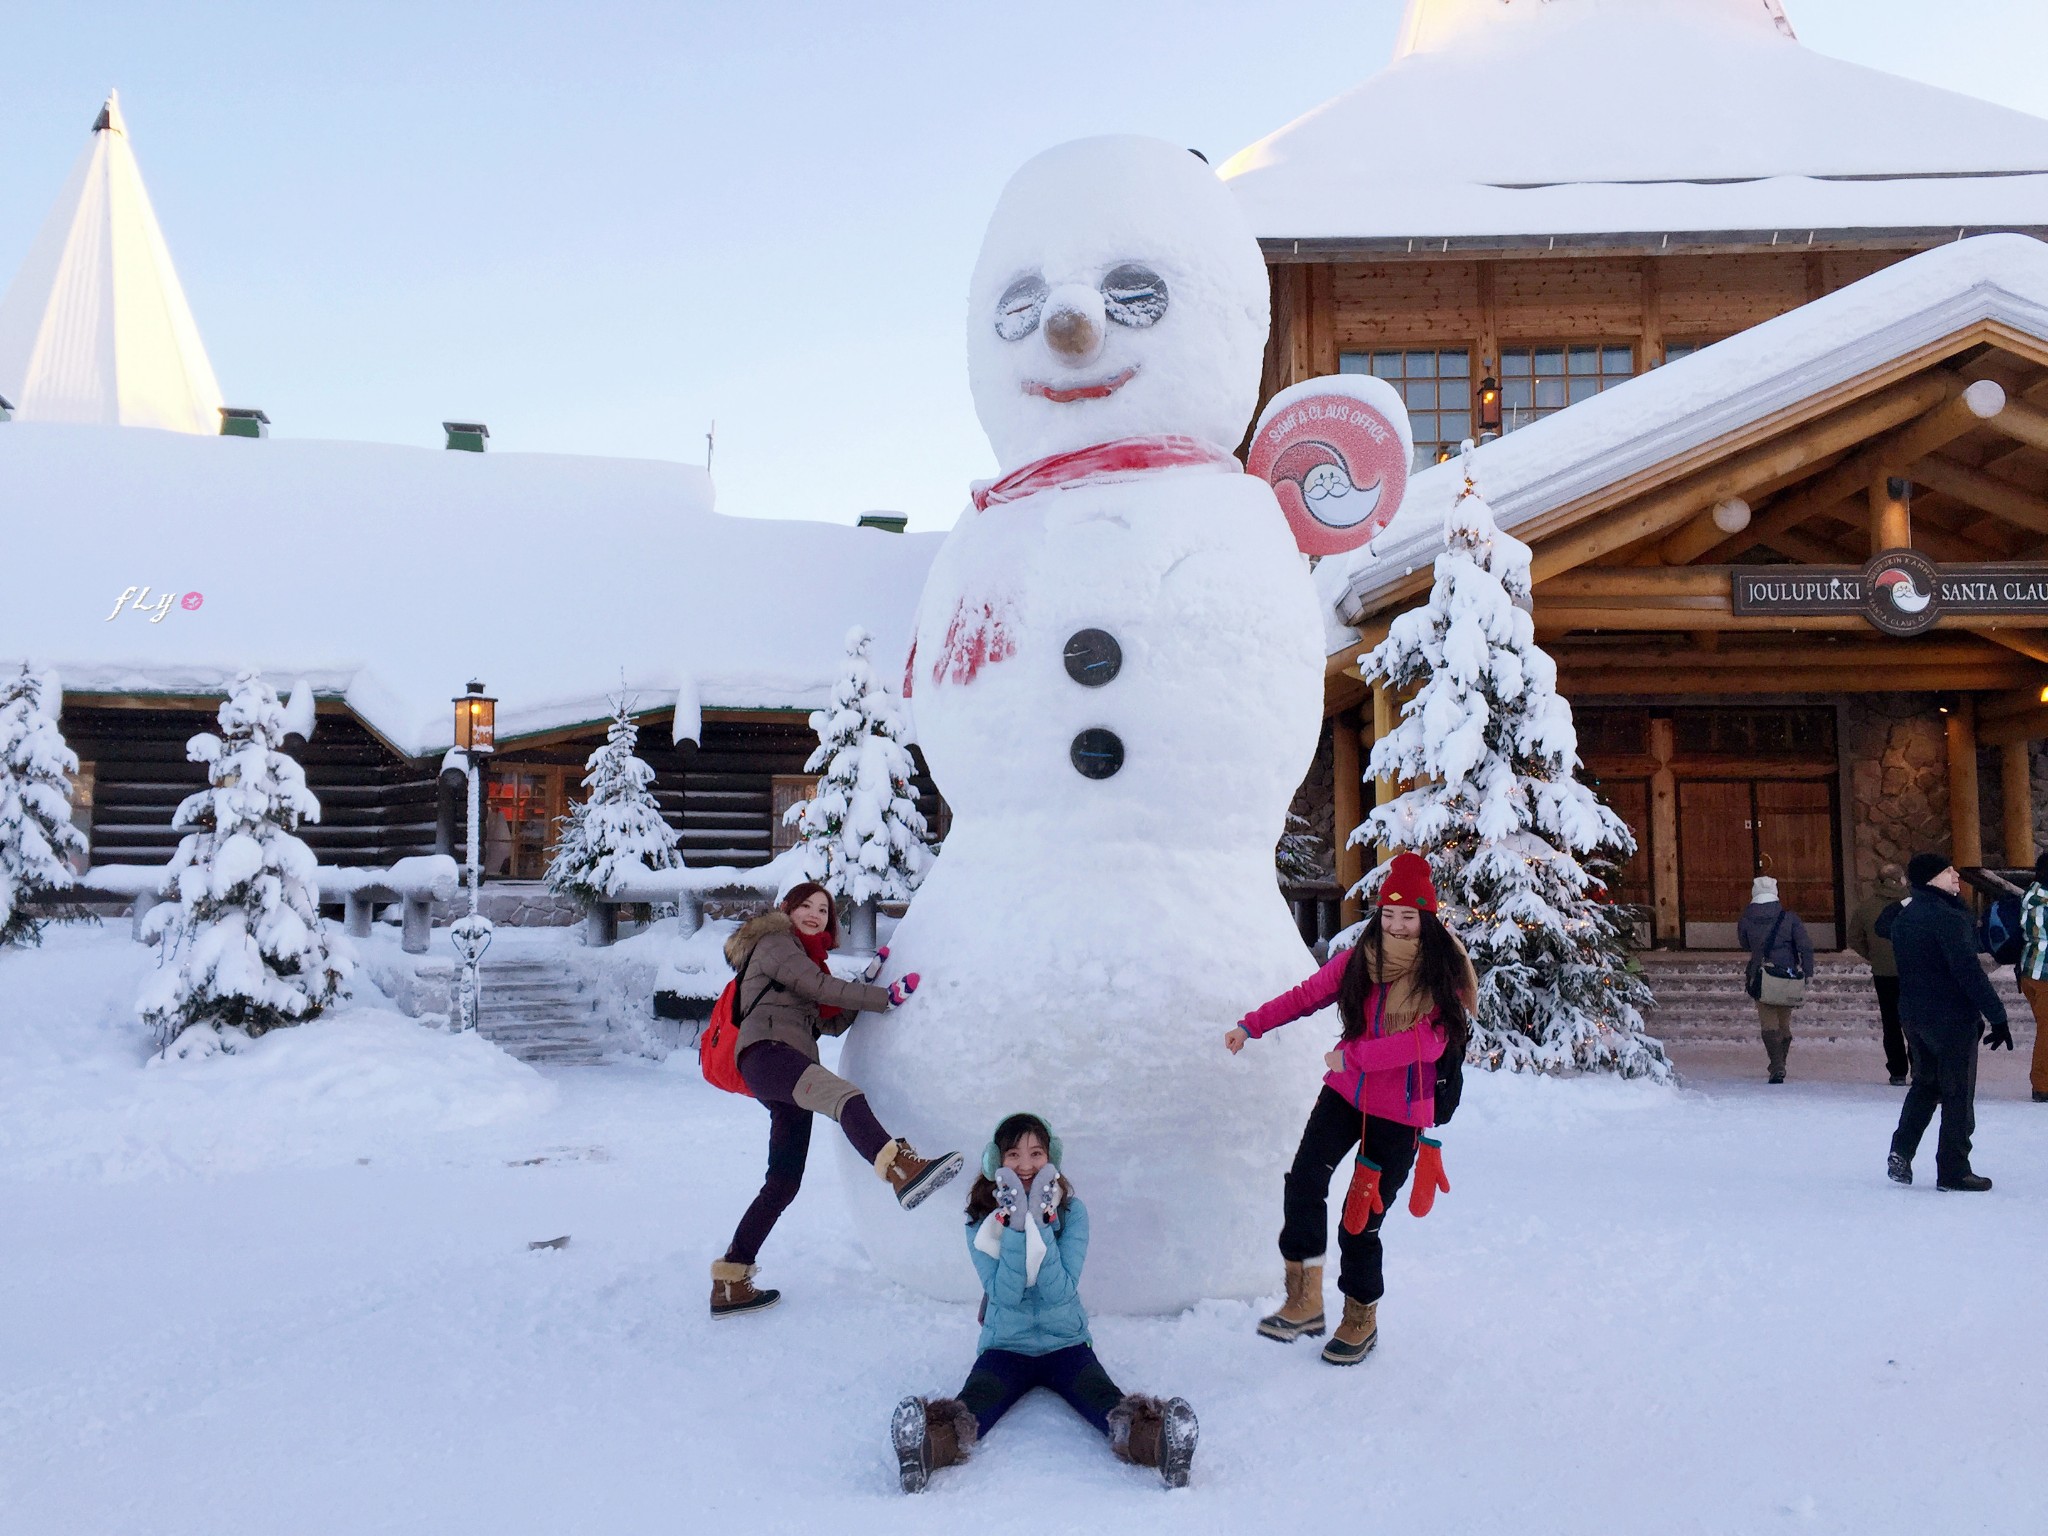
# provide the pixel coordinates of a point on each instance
(1987, 493)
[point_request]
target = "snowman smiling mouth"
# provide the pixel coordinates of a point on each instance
(1099, 391)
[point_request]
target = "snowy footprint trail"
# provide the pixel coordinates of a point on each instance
(1639, 1310)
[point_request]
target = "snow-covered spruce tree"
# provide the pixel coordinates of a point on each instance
(241, 942)
(862, 837)
(1507, 828)
(617, 829)
(36, 835)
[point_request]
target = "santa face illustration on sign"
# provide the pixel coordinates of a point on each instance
(1336, 452)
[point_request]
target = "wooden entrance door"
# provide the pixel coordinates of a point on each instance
(1731, 830)
(524, 804)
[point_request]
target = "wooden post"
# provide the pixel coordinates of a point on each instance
(2016, 789)
(1966, 839)
(1890, 514)
(1347, 809)
(1653, 316)
(1664, 834)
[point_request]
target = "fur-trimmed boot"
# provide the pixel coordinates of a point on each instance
(1356, 1335)
(930, 1433)
(1302, 1313)
(913, 1177)
(732, 1290)
(1148, 1432)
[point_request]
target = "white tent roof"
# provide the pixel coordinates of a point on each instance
(390, 576)
(1514, 117)
(95, 327)
(1701, 399)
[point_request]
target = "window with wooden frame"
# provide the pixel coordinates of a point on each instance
(1674, 350)
(1436, 386)
(786, 790)
(1538, 381)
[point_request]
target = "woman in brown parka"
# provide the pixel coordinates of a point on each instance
(785, 999)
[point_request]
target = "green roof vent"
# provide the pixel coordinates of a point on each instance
(888, 522)
(466, 436)
(243, 421)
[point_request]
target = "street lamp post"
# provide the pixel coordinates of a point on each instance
(476, 723)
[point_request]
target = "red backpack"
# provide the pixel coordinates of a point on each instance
(718, 1046)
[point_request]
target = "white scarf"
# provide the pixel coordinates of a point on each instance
(988, 1238)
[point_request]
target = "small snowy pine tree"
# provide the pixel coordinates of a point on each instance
(1490, 747)
(241, 942)
(862, 837)
(617, 829)
(36, 835)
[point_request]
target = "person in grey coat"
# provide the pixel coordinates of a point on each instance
(1945, 999)
(1774, 935)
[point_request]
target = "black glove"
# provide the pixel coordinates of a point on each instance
(2001, 1034)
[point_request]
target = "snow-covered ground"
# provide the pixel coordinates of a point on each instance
(292, 1292)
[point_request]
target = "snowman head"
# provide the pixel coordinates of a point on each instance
(1119, 293)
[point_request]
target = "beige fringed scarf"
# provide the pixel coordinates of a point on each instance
(1407, 999)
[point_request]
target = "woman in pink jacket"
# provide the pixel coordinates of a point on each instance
(1405, 992)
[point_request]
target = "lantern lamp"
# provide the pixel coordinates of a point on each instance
(1489, 408)
(476, 720)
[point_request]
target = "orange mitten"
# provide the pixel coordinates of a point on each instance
(1363, 1198)
(1429, 1177)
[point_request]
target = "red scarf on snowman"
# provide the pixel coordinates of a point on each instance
(1118, 460)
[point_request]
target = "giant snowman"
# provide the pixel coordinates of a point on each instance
(1117, 682)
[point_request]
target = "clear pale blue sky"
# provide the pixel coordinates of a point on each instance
(599, 226)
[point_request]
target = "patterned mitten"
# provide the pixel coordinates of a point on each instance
(1010, 1196)
(900, 990)
(1045, 1193)
(1429, 1177)
(1362, 1200)
(875, 966)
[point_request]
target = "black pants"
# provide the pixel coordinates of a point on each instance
(1000, 1377)
(1945, 1074)
(1332, 1131)
(1896, 1059)
(772, 1070)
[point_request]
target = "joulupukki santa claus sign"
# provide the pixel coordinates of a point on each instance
(1336, 452)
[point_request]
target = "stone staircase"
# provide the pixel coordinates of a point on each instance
(535, 1010)
(1700, 998)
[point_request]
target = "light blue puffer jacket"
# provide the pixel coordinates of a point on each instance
(1036, 1319)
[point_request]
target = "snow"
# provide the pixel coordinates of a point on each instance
(1085, 942)
(616, 831)
(1638, 1309)
(386, 578)
(1755, 131)
(94, 327)
(1754, 376)
(1073, 216)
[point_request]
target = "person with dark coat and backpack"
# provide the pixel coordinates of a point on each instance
(1868, 927)
(1945, 999)
(1405, 992)
(1777, 942)
(784, 998)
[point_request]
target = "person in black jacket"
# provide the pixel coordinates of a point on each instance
(1944, 997)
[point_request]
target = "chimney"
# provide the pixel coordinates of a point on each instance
(466, 436)
(243, 421)
(888, 522)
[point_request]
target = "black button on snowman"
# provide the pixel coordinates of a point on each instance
(1092, 658)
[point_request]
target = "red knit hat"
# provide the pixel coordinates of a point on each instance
(1407, 884)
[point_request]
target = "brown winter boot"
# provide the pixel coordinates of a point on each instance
(913, 1177)
(1302, 1313)
(929, 1433)
(732, 1290)
(1356, 1335)
(1147, 1432)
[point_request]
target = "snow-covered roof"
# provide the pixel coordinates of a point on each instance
(95, 327)
(390, 576)
(1501, 118)
(1700, 399)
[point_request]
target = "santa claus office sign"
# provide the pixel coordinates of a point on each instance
(1900, 592)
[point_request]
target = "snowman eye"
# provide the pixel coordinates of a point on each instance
(1133, 295)
(1017, 310)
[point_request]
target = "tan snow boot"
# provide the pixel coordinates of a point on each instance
(732, 1290)
(913, 1177)
(1356, 1335)
(1302, 1313)
(929, 1433)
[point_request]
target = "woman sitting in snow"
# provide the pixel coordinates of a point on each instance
(1028, 1235)
(785, 999)
(1405, 992)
